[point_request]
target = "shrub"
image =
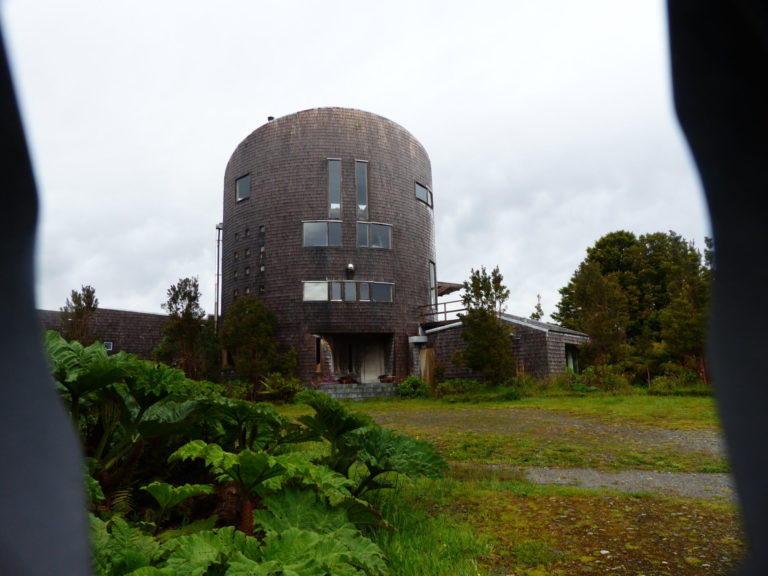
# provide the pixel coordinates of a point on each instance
(276, 387)
(458, 386)
(678, 381)
(412, 387)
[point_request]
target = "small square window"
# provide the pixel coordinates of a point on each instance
(108, 346)
(237, 236)
(237, 256)
(247, 290)
(262, 229)
(247, 232)
(247, 252)
(261, 289)
(236, 274)
(247, 270)
(262, 268)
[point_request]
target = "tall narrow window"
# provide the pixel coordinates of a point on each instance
(334, 188)
(243, 187)
(350, 294)
(335, 290)
(432, 284)
(361, 180)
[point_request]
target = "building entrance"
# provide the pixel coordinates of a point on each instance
(361, 358)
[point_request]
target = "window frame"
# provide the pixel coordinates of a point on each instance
(368, 241)
(427, 194)
(329, 236)
(246, 190)
(334, 188)
(362, 189)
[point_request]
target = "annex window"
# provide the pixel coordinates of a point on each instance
(322, 233)
(315, 291)
(243, 187)
(374, 235)
(361, 184)
(424, 194)
(334, 188)
(381, 292)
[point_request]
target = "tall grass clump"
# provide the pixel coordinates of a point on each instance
(425, 543)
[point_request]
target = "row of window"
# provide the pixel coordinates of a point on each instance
(247, 253)
(423, 193)
(348, 291)
(328, 233)
(247, 232)
(247, 291)
(247, 271)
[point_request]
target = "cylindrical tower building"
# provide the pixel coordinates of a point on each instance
(328, 219)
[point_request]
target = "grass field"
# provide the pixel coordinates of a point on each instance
(489, 521)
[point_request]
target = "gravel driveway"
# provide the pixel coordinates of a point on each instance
(561, 425)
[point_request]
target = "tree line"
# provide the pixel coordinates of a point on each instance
(245, 347)
(643, 301)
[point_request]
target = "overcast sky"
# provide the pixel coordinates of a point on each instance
(549, 123)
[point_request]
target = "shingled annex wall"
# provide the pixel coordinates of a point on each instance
(133, 332)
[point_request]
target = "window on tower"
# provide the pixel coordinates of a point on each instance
(243, 187)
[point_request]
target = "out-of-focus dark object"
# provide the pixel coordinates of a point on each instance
(43, 524)
(719, 52)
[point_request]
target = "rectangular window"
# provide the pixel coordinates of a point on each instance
(424, 194)
(362, 234)
(335, 290)
(381, 236)
(350, 294)
(315, 291)
(381, 292)
(334, 188)
(361, 180)
(365, 293)
(322, 233)
(374, 235)
(432, 283)
(243, 188)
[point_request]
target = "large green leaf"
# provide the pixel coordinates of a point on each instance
(168, 496)
(195, 554)
(297, 508)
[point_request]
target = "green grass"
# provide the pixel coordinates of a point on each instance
(491, 523)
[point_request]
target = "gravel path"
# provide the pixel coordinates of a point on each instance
(561, 426)
(688, 484)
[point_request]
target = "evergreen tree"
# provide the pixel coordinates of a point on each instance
(76, 315)
(188, 339)
(538, 312)
(657, 288)
(249, 334)
(489, 342)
